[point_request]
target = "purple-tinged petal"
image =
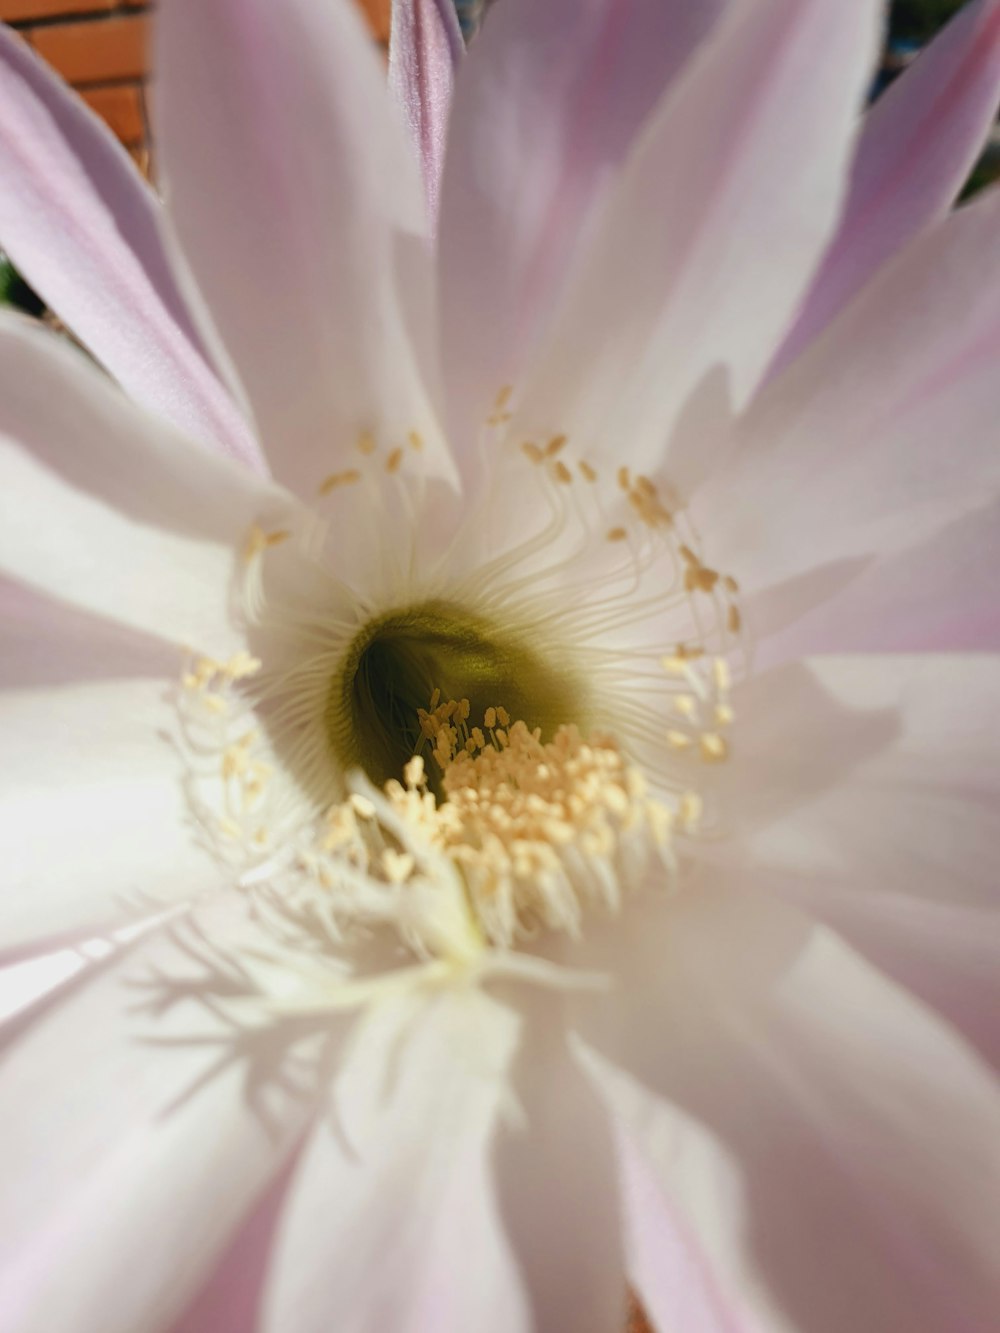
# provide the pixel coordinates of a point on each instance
(425, 46)
(116, 512)
(81, 225)
(547, 104)
(713, 231)
(48, 642)
(299, 207)
(937, 596)
(230, 1300)
(881, 432)
(825, 1139)
(919, 142)
(671, 1272)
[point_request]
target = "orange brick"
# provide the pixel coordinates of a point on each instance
(24, 11)
(377, 13)
(93, 52)
(121, 106)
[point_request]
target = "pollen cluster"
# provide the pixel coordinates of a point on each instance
(537, 830)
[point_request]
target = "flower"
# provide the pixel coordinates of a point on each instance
(646, 516)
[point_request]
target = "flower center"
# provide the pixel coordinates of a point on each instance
(397, 662)
(527, 835)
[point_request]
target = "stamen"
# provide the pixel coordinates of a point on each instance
(538, 832)
(336, 479)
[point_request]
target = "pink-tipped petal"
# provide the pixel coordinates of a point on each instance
(671, 287)
(230, 1301)
(937, 596)
(46, 642)
(425, 45)
(673, 1276)
(946, 954)
(547, 104)
(83, 228)
(827, 1143)
(115, 511)
(870, 770)
(867, 791)
(882, 431)
(299, 208)
(919, 142)
(391, 1220)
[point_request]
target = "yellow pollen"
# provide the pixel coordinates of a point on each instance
(392, 463)
(690, 811)
(714, 748)
(586, 471)
(500, 415)
(533, 829)
(616, 534)
(623, 479)
(557, 443)
(398, 866)
(366, 443)
(336, 479)
(532, 452)
(415, 440)
(259, 541)
(561, 472)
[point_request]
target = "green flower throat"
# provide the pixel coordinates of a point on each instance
(396, 662)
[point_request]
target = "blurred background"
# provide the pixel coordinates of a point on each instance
(100, 47)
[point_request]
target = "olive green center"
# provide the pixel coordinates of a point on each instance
(395, 664)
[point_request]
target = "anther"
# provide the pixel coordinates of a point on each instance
(337, 479)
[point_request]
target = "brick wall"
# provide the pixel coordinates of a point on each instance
(100, 47)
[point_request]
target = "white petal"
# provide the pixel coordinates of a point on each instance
(391, 1222)
(558, 1184)
(937, 596)
(83, 227)
(880, 771)
(919, 143)
(947, 955)
(857, 1136)
(136, 1128)
(883, 430)
(547, 104)
(96, 830)
(305, 255)
(230, 1300)
(115, 512)
(670, 1271)
(712, 233)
